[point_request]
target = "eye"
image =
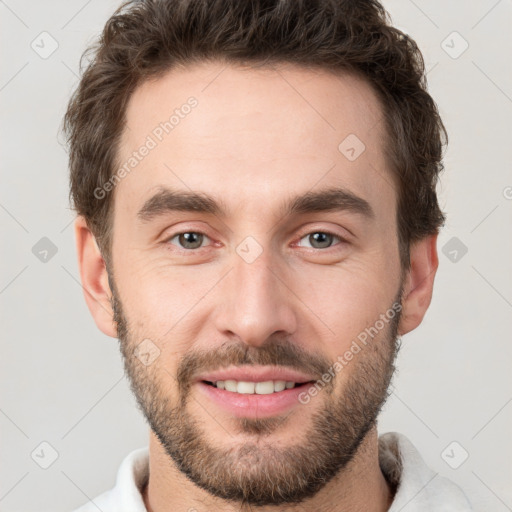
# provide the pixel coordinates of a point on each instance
(319, 240)
(188, 240)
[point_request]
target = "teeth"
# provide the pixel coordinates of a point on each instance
(280, 385)
(230, 385)
(246, 388)
(263, 388)
(250, 388)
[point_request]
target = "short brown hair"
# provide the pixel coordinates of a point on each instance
(145, 39)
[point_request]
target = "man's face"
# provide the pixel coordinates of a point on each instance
(256, 290)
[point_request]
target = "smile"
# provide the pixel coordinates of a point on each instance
(250, 388)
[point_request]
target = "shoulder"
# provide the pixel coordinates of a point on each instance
(126, 495)
(417, 486)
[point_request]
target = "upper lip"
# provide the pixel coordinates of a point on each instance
(256, 374)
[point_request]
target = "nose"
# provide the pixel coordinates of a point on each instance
(256, 302)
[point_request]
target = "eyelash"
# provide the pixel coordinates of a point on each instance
(190, 251)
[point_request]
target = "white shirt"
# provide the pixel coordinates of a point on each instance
(419, 488)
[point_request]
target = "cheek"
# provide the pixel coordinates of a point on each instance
(160, 300)
(346, 300)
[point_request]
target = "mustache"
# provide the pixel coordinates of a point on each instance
(280, 352)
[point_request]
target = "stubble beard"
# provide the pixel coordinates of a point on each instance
(257, 472)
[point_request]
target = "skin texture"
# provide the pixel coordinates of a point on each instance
(257, 138)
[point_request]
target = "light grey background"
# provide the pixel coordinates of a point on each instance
(62, 380)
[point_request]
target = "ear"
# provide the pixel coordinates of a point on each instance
(419, 283)
(93, 273)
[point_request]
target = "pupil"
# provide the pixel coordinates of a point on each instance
(320, 240)
(191, 240)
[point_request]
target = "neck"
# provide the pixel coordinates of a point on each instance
(361, 486)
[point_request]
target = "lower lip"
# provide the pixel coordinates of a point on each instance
(254, 406)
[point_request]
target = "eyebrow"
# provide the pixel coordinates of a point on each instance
(331, 199)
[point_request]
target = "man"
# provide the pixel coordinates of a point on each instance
(257, 224)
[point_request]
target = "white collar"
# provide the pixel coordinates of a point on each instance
(419, 489)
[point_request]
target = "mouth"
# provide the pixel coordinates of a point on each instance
(267, 387)
(254, 392)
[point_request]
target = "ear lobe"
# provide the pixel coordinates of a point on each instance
(419, 283)
(93, 274)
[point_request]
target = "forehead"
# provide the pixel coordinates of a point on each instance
(248, 135)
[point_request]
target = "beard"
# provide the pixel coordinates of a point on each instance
(259, 472)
